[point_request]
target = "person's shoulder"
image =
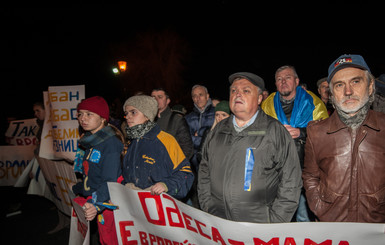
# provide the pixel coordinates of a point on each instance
(318, 123)
(379, 114)
(316, 99)
(166, 138)
(190, 115)
(269, 100)
(113, 142)
(266, 116)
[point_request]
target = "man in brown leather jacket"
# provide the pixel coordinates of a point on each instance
(344, 173)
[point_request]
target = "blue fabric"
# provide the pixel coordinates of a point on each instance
(302, 111)
(249, 165)
(103, 167)
(302, 214)
(199, 122)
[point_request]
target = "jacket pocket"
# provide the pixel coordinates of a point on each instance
(328, 207)
(374, 206)
(327, 195)
(380, 196)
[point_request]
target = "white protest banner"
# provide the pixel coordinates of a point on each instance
(143, 218)
(46, 144)
(63, 131)
(80, 229)
(58, 175)
(22, 132)
(13, 161)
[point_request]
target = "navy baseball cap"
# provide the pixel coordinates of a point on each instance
(254, 79)
(347, 60)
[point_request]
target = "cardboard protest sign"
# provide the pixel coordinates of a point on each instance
(13, 161)
(80, 228)
(61, 129)
(22, 132)
(58, 175)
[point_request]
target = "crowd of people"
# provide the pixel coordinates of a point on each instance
(288, 156)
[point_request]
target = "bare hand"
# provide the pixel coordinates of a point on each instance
(294, 132)
(89, 211)
(158, 188)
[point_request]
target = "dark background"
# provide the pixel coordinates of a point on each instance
(176, 45)
(166, 44)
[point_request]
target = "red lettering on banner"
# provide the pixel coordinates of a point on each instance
(143, 238)
(311, 242)
(159, 207)
(152, 238)
(343, 243)
(233, 242)
(160, 240)
(125, 234)
(290, 241)
(175, 210)
(199, 224)
(82, 228)
(26, 141)
(273, 241)
(167, 242)
(217, 236)
(187, 220)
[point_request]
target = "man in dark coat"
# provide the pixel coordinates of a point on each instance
(201, 118)
(172, 122)
(250, 170)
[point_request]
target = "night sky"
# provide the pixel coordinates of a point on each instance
(44, 47)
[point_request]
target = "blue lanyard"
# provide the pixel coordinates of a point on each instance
(249, 165)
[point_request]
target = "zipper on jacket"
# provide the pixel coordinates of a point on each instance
(268, 214)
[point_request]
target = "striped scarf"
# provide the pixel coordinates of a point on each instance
(88, 141)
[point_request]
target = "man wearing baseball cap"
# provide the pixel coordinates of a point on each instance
(344, 174)
(249, 170)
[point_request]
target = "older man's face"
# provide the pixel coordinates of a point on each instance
(323, 90)
(244, 99)
(286, 83)
(200, 97)
(350, 89)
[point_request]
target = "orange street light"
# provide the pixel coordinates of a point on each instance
(122, 66)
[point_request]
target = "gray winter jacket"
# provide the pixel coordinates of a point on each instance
(276, 175)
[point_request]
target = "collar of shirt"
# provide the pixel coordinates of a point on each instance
(239, 129)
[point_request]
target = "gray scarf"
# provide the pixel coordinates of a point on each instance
(354, 121)
(138, 131)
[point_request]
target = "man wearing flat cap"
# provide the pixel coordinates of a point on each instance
(344, 174)
(250, 170)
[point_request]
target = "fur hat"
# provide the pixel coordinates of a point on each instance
(145, 104)
(97, 105)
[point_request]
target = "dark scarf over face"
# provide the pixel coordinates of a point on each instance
(138, 131)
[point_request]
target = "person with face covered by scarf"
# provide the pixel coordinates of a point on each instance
(154, 160)
(344, 173)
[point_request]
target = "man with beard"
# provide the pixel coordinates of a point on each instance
(294, 107)
(344, 174)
